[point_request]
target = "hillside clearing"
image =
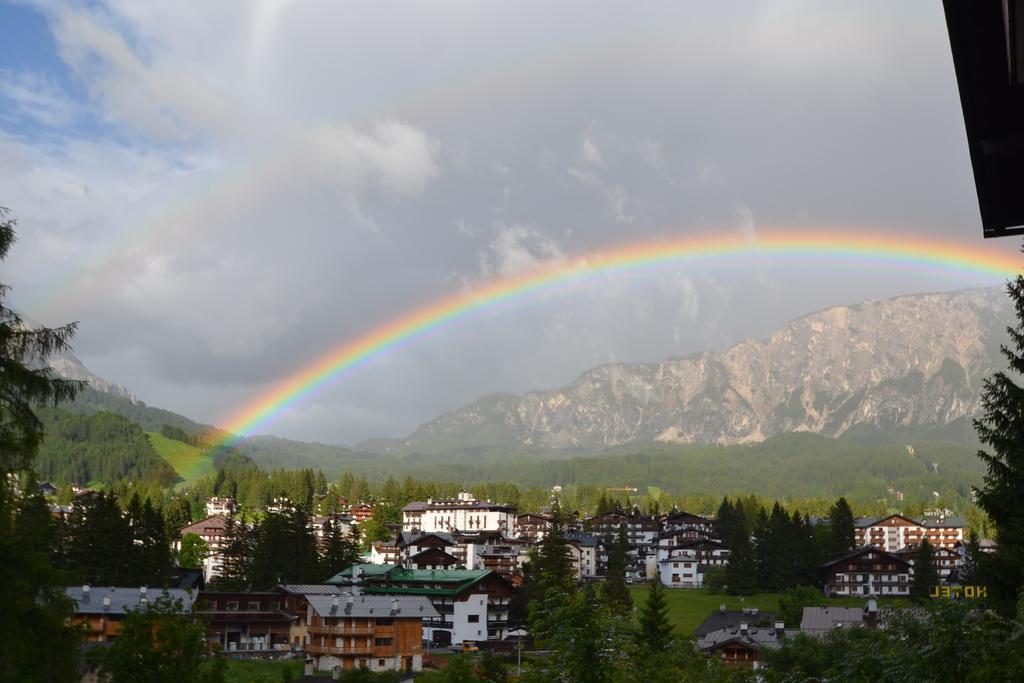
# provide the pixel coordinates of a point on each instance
(189, 462)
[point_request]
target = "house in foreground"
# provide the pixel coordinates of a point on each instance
(471, 604)
(742, 646)
(245, 622)
(375, 632)
(101, 610)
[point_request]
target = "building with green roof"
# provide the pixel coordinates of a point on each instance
(472, 604)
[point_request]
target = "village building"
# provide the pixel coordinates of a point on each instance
(584, 551)
(687, 564)
(213, 530)
(865, 572)
(532, 527)
(947, 561)
(472, 604)
(677, 523)
(221, 505)
(294, 602)
(463, 513)
(641, 530)
(245, 622)
(101, 610)
(742, 646)
(894, 532)
(818, 621)
(374, 632)
(361, 512)
(343, 523)
(732, 618)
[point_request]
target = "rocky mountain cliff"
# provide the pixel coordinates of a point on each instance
(913, 362)
(68, 366)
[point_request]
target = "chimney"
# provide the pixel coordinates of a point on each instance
(349, 600)
(85, 593)
(721, 608)
(780, 626)
(743, 628)
(106, 603)
(394, 605)
(335, 604)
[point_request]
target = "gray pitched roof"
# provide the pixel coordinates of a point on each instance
(755, 637)
(310, 589)
(379, 606)
(821, 620)
(732, 619)
(121, 598)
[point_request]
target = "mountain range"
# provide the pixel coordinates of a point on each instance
(909, 365)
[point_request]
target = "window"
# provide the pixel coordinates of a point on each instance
(232, 605)
(473, 618)
(275, 605)
(254, 606)
(385, 622)
(382, 642)
(380, 663)
(213, 605)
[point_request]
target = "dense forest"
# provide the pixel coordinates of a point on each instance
(97, 447)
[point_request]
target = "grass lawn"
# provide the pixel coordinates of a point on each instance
(188, 461)
(262, 671)
(688, 607)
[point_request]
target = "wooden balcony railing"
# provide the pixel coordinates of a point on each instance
(342, 630)
(315, 649)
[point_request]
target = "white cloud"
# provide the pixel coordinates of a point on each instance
(156, 99)
(651, 153)
(392, 155)
(517, 249)
(590, 153)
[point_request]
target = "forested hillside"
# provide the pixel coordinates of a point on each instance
(151, 419)
(98, 447)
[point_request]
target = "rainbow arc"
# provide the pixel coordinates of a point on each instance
(857, 249)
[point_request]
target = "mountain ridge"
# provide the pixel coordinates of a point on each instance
(914, 361)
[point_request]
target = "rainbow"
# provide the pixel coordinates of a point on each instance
(804, 248)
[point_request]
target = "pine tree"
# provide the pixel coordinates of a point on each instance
(34, 606)
(655, 632)
(153, 546)
(1001, 428)
(925, 574)
(35, 644)
(236, 556)
(841, 528)
(725, 519)
(741, 571)
(554, 578)
(339, 553)
(614, 590)
(100, 546)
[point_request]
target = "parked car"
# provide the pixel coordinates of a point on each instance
(464, 646)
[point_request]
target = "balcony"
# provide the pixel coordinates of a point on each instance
(342, 631)
(341, 651)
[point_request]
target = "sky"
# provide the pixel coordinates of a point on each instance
(222, 192)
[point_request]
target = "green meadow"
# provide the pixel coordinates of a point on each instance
(189, 462)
